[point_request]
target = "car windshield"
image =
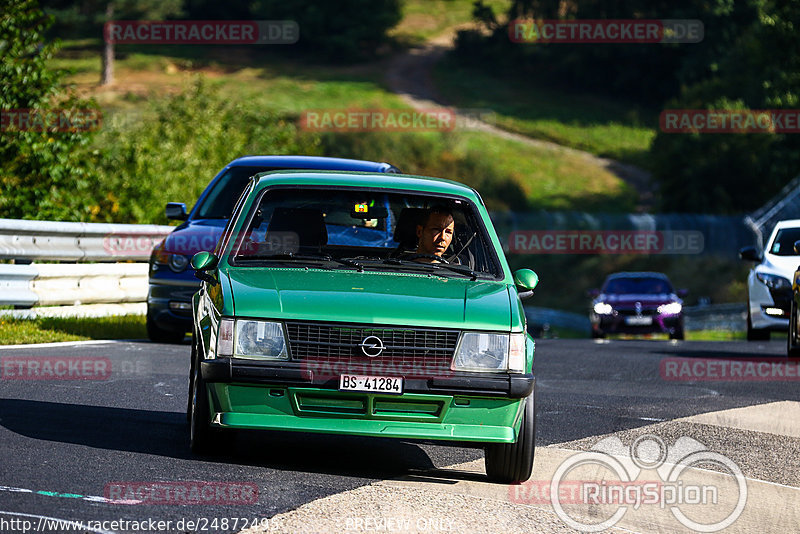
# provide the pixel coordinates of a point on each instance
(220, 201)
(364, 229)
(783, 245)
(637, 286)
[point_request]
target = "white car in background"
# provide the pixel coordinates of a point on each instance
(769, 283)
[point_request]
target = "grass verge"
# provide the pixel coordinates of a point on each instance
(54, 329)
(586, 122)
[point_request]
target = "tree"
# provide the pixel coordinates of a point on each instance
(76, 18)
(43, 169)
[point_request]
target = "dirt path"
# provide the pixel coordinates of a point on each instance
(410, 76)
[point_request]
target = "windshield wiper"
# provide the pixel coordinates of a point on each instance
(304, 257)
(460, 269)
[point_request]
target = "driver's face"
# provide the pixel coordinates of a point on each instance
(436, 235)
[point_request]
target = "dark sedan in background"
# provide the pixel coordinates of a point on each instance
(637, 303)
(172, 282)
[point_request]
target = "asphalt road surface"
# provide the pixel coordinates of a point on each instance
(68, 446)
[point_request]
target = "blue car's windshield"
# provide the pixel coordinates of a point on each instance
(637, 286)
(219, 202)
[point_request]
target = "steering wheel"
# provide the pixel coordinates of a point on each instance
(412, 257)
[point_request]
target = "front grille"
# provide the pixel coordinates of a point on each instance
(632, 312)
(407, 351)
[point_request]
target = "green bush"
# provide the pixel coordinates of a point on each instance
(173, 154)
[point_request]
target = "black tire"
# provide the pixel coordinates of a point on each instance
(596, 334)
(792, 341)
(189, 396)
(509, 463)
(755, 334)
(203, 439)
(677, 334)
(160, 335)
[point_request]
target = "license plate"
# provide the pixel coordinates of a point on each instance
(638, 321)
(371, 384)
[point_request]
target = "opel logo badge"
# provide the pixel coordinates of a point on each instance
(372, 346)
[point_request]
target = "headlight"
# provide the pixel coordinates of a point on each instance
(773, 281)
(673, 308)
(490, 352)
(601, 308)
(260, 339)
(178, 262)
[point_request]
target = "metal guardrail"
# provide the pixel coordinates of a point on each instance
(75, 283)
(729, 317)
(72, 241)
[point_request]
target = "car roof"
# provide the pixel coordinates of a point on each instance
(312, 162)
(639, 274)
(406, 182)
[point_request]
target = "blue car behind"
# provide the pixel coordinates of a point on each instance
(172, 282)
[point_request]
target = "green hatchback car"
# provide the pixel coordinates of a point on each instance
(364, 304)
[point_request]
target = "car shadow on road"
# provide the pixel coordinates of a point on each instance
(167, 434)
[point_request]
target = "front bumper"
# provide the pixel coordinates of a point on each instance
(459, 408)
(616, 324)
(163, 293)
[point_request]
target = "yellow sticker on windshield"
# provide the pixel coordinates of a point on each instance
(361, 208)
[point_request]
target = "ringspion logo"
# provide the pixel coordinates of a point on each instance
(615, 486)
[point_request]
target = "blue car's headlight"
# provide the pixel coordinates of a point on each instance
(259, 339)
(602, 308)
(673, 308)
(773, 281)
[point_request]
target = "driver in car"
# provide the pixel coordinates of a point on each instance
(435, 235)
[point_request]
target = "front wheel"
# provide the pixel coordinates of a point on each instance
(755, 334)
(513, 462)
(203, 439)
(160, 335)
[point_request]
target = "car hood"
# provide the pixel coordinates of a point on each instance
(370, 297)
(631, 299)
(193, 236)
(782, 265)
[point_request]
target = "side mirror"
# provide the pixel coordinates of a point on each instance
(204, 261)
(750, 254)
(682, 292)
(796, 247)
(526, 280)
(593, 293)
(176, 211)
